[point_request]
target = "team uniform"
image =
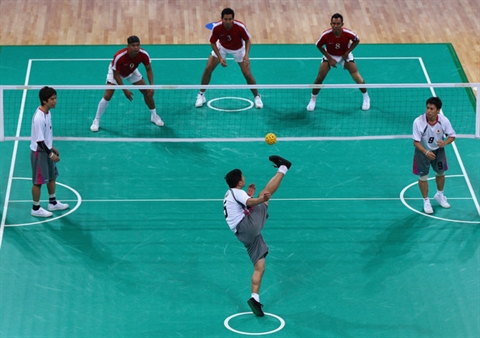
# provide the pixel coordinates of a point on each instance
(337, 46)
(127, 66)
(230, 41)
(429, 135)
(43, 167)
(246, 223)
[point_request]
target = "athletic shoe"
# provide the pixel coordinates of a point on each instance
(280, 161)
(427, 207)
(258, 102)
(256, 307)
(200, 100)
(58, 206)
(311, 105)
(442, 200)
(157, 120)
(41, 213)
(95, 125)
(366, 103)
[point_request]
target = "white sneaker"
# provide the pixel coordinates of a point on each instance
(200, 100)
(258, 102)
(311, 105)
(41, 213)
(427, 207)
(157, 120)
(442, 200)
(95, 125)
(366, 103)
(58, 206)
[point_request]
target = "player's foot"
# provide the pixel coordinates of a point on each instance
(280, 161)
(311, 105)
(442, 200)
(58, 206)
(95, 125)
(41, 213)
(427, 207)
(366, 103)
(157, 120)
(256, 307)
(200, 100)
(258, 102)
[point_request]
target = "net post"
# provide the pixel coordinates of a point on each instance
(2, 129)
(477, 110)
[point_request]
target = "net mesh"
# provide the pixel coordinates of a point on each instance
(230, 113)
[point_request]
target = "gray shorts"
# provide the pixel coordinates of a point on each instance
(249, 232)
(421, 163)
(44, 169)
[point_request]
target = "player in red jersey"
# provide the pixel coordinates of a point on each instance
(229, 36)
(124, 67)
(339, 44)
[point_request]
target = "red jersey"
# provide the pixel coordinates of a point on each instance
(337, 46)
(230, 38)
(125, 65)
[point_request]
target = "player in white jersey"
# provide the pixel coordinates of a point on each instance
(429, 132)
(43, 155)
(246, 216)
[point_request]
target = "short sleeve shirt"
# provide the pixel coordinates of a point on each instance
(41, 129)
(234, 212)
(428, 134)
(232, 38)
(337, 45)
(126, 65)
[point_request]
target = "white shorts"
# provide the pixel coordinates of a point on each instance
(132, 78)
(237, 54)
(340, 59)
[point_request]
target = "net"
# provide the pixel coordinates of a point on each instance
(229, 113)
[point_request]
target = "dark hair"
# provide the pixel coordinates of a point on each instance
(46, 93)
(133, 39)
(337, 16)
(227, 11)
(435, 101)
(233, 177)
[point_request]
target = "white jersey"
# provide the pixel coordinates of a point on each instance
(429, 134)
(234, 212)
(41, 129)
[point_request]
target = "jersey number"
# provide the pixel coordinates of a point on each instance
(431, 139)
(225, 208)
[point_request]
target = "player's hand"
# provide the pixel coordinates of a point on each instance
(223, 62)
(55, 158)
(55, 151)
(430, 155)
(266, 196)
(441, 144)
(251, 190)
(128, 94)
(333, 63)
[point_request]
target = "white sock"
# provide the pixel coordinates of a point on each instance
(426, 199)
(256, 297)
(153, 112)
(440, 192)
(314, 97)
(201, 93)
(282, 169)
(102, 106)
(365, 95)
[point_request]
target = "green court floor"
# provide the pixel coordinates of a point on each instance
(144, 250)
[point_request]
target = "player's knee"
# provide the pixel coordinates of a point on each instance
(440, 173)
(423, 178)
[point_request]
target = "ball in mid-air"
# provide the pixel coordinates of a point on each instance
(270, 138)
